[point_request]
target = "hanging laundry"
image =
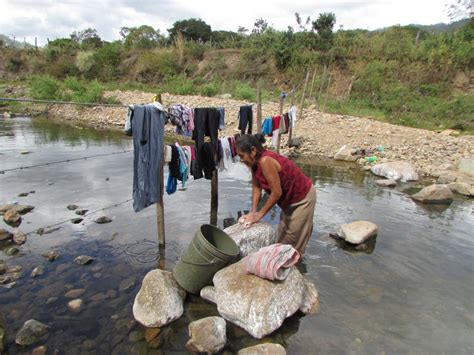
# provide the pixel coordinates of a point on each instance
(245, 119)
(128, 121)
(208, 162)
(206, 123)
(183, 166)
(276, 129)
(225, 161)
(233, 146)
(167, 153)
(292, 116)
(180, 116)
(147, 129)
(221, 112)
(283, 125)
(173, 169)
(267, 126)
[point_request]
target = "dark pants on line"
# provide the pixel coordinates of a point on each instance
(206, 123)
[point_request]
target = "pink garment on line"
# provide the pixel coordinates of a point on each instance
(272, 262)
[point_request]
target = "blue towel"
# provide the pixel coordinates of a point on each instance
(267, 126)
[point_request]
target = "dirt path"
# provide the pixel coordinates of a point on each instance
(322, 133)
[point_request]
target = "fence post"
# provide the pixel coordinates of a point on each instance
(259, 109)
(160, 213)
(214, 197)
(303, 95)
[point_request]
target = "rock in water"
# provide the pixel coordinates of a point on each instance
(31, 332)
(81, 212)
(52, 255)
(434, 194)
(260, 306)
(71, 207)
(12, 217)
(40, 350)
(345, 154)
(357, 232)
(461, 188)
(396, 170)
(103, 219)
(251, 239)
(3, 267)
(75, 305)
(76, 220)
(386, 183)
(21, 209)
(83, 260)
(159, 301)
(208, 335)
(263, 349)
(37, 271)
(19, 237)
(3, 334)
(5, 235)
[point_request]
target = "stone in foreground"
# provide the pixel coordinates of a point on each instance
(257, 305)
(159, 301)
(357, 232)
(251, 239)
(263, 349)
(345, 154)
(434, 194)
(386, 183)
(207, 335)
(396, 170)
(31, 332)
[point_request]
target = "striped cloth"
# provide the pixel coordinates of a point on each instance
(272, 262)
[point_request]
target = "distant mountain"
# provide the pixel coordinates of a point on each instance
(443, 27)
(9, 42)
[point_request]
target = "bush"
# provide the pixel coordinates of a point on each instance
(44, 88)
(154, 66)
(243, 91)
(209, 89)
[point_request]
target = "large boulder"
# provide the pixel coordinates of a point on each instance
(263, 349)
(31, 332)
(159, 301)
(434, 194)
(208, 335)
(396, 170)
(258, 305)
(12, 217)
(345, 154)
(357, 232)
(251, 239)
(461, 188)
(21, 209)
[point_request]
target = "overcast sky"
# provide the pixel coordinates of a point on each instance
(53, 19)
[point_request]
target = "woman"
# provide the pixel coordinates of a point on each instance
(288, 187)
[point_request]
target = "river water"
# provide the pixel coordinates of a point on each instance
(409, 292)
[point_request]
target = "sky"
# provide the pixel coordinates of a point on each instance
(55, 19)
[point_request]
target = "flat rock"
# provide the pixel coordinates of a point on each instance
(159, 301)
(12, 251)
(263, 349)
(396, 170)
(31, 332)
(257, 305)
(466, 165)
(208, 335)
(75, 305)
(5, 235)
(102, 220)
(71, 207)
(386, 182)
(75, 293)
(251, 239)
(21, 209)
(357, 232)
(40, 350)
(37, 271)
(434, 194)
(19, 237)
(81, 212)
(12, 217)
(83, 259)
(127, 284)
(52, 255)
(461, 188)
(345, 154)
(23, 194)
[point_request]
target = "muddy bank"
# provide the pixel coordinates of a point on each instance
(323, 134)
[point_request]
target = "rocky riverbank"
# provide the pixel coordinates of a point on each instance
(322, 134)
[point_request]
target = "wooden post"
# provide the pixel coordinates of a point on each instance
(312, 84)
(326, 94)
(214, 197)
(160, 213)
(321, 85)
(280, 112)
(290, 129)
(259, 109)
(300, 116)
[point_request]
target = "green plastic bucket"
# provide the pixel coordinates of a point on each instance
(210, 250)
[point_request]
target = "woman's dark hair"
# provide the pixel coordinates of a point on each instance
(246, 141)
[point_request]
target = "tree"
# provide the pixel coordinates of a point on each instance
(323, 27)
(242, 30)
(460, 9)
(87, 38)
(302, 26)
(259, 26)
(143, 37)
(191, 29)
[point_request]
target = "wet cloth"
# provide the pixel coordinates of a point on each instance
(173, 170)
(225, 161)
(283, 125)
(206, 123)
(267, 126)
(147, 128)
(245, 119)
(167, 154)
(292, 116)
(221, 112)
(180, 116)
(208, 162)
(272, 262)
(276, 129)
(128, 121)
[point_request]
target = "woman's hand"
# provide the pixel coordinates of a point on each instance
(249, 219)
